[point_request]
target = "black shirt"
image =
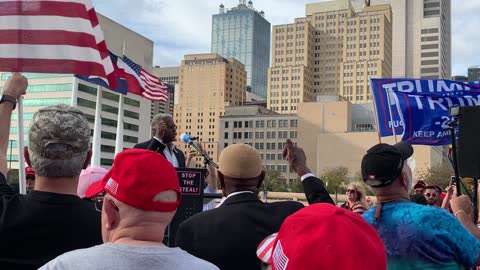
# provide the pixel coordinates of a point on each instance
(37, 227)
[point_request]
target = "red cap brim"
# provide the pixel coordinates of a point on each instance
(98, 187)
(94, 189)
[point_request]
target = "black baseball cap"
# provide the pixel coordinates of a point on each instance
(383, 163)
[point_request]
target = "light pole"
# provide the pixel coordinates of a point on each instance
(10, 157)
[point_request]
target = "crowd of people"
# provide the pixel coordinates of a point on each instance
(77, 216)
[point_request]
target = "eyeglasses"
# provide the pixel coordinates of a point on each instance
(99, 203)
(433, 195)
(351, 191)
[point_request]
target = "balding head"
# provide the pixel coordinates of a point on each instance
(134, 222)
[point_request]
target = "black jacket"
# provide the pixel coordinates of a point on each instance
(158, 147)
(228, 236)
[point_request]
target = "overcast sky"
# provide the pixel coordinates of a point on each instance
(180, 27)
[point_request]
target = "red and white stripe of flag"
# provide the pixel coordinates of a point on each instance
(154, 88)
(53, 37)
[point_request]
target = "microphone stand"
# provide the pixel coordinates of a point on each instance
(207, 160)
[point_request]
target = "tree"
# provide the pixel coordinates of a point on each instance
(274, 182)
(335, 177)
(437, 175)
(297, 186)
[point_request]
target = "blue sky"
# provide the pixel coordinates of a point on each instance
(180, 27)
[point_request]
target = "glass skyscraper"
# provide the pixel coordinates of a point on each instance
(244, 34)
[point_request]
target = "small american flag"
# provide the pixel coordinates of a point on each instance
(112, 186)
(53, 37)
(280, 260)
(152, 87)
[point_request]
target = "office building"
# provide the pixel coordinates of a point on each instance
(338, 133)
(243, 33)
(263, 129)
(474, 73)
(422, 38)
(332, 51)
(49, 89)
(460, 78)
(208, 84)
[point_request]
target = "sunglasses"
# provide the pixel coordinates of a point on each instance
(433, 195)
(99, 203)
(351, 191)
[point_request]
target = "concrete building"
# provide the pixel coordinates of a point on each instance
(208, 84)
(460, 78)
(338, 133)
(243, 33)
(263, 129)
(474, 73)
(422, 39)
(168, 75)
(331, 51)
(49, 89)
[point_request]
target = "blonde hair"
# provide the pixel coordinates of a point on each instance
(360, 191)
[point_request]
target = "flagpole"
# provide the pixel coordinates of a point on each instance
(376, 114)
(119, 137)
(21, 158)
(391, 116)
(74, 91)
(97, 130)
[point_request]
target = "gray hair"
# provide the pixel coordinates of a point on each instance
(57, 167)
(156, 120)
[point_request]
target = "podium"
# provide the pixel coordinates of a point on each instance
(192, 183)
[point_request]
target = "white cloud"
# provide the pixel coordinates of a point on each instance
(180, 27)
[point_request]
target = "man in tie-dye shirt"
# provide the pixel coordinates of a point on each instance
(415, 236)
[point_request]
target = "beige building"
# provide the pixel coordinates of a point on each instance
(332, 135)
(263, 129)
(332, 51)
(48, 89)
(208, 84)
(422, 38)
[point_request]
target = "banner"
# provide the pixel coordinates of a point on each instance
(420, 108)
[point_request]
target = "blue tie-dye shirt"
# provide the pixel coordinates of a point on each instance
(423, 237)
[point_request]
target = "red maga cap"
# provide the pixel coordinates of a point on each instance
(323, 236)
(29, 171)
(136, 177)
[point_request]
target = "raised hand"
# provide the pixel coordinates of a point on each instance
(296, 158)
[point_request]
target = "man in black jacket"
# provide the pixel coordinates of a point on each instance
(51, 219)
(229, 235)
(164, 132)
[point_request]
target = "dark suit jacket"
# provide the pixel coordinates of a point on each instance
(228, 236)
(158, 147)
(315, 191)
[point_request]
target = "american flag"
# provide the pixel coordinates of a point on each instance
(280, 260)
(152, 87)
(53, 37)
(112, 186)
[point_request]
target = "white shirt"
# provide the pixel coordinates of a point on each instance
(168, 153)
(230, 195)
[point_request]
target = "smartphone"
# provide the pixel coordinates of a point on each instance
(452, 180)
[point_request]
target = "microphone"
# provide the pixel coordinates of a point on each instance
(186, 138)
(190, 140)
